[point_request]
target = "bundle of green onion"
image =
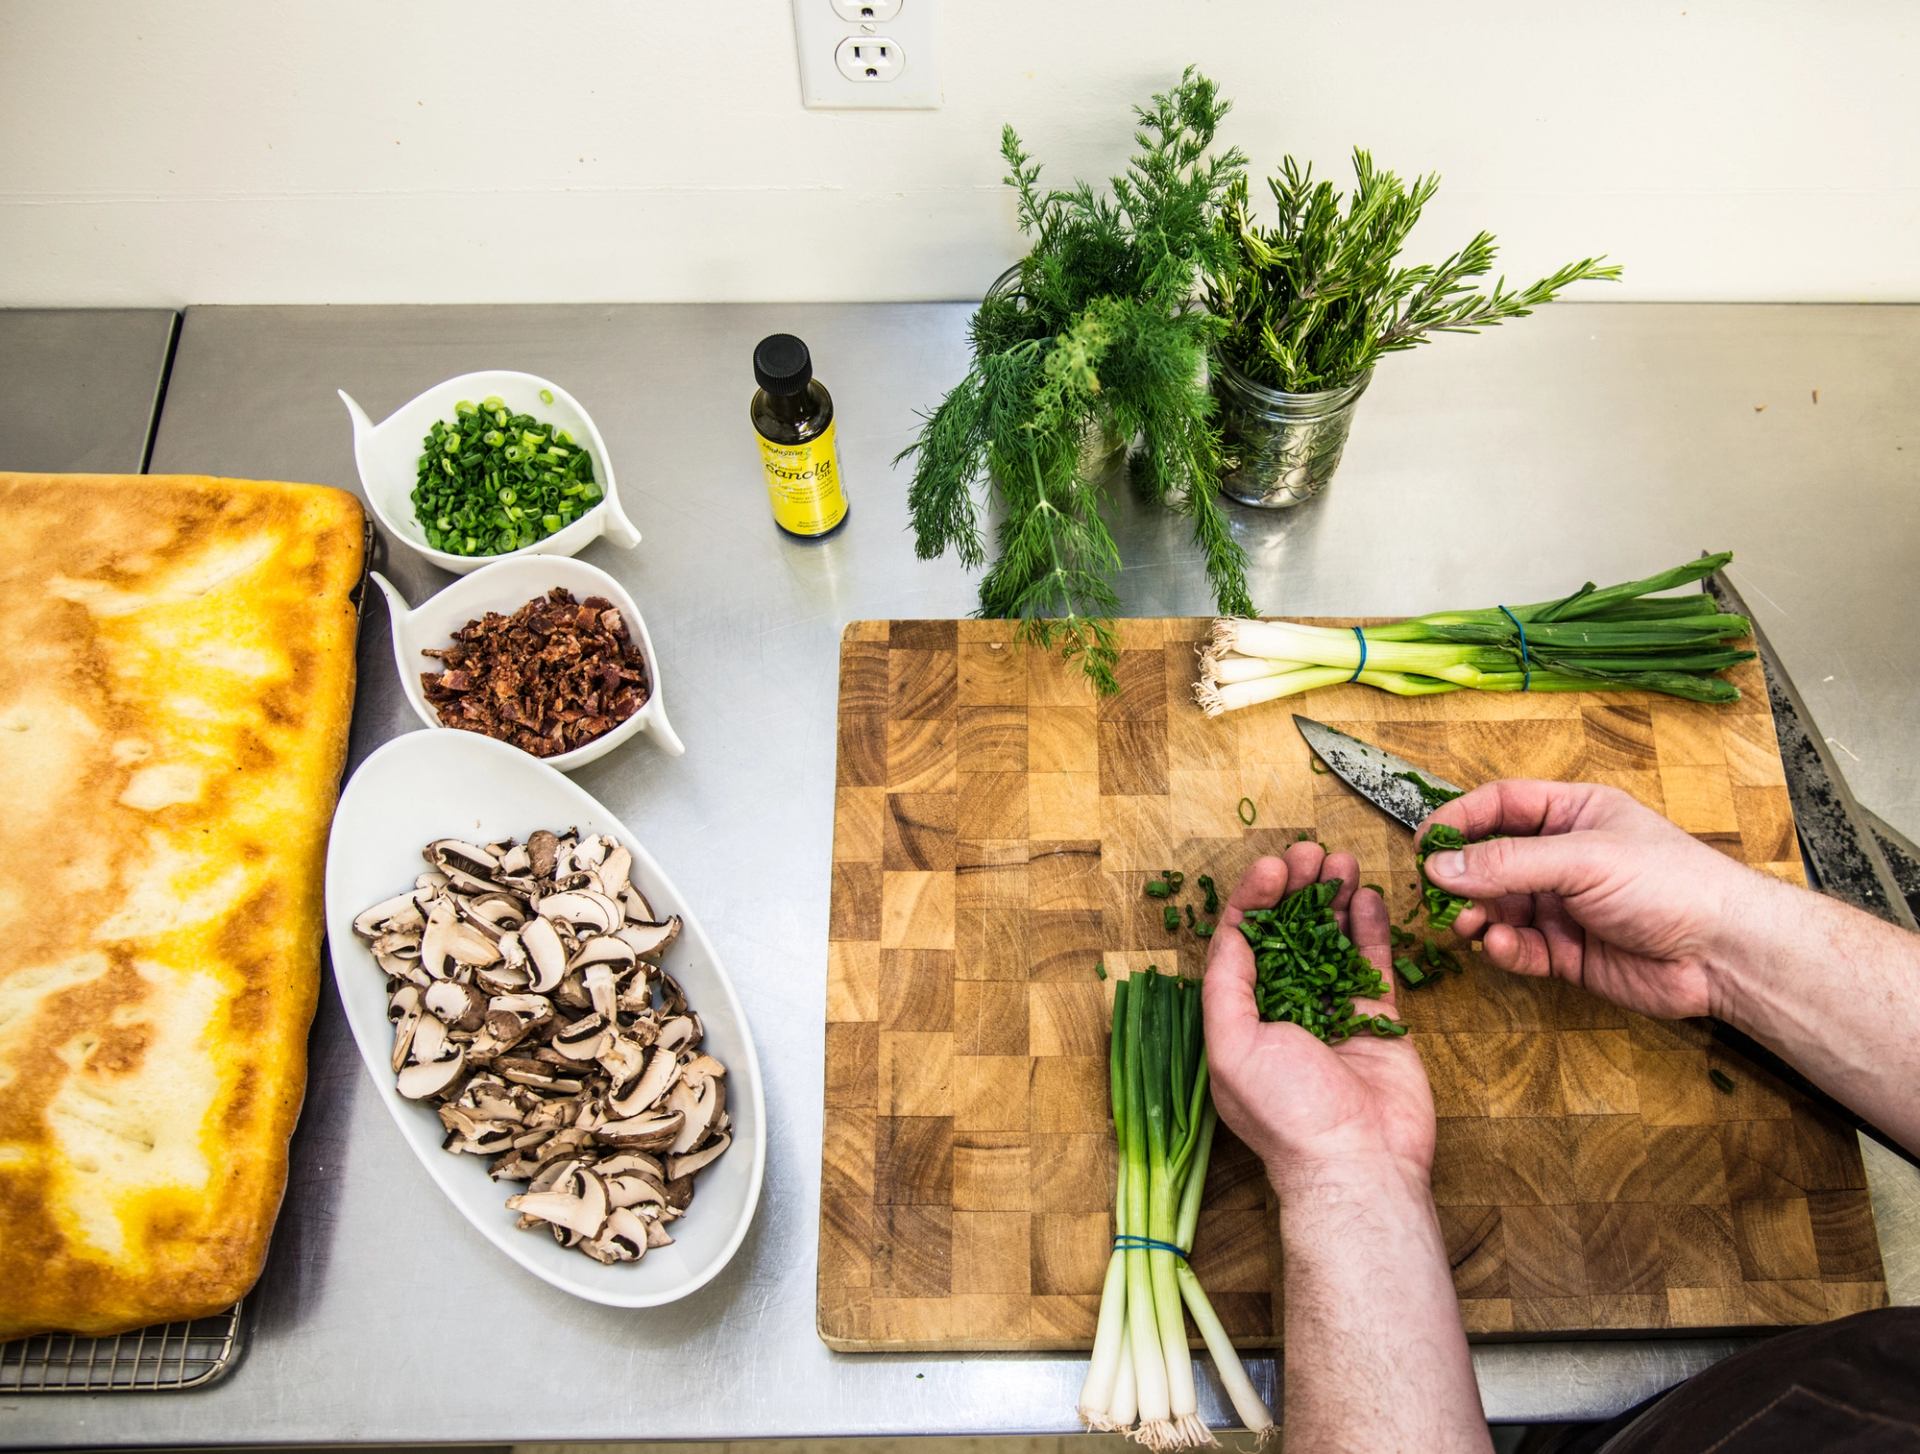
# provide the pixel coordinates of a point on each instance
(1141, 1377)
(1591, 641)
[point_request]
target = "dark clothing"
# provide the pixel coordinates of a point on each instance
(1847, 1387)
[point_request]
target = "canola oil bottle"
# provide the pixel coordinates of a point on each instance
(792, 416)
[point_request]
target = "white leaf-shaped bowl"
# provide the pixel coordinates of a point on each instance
(505, 586)
(387, 455)
(429, 785)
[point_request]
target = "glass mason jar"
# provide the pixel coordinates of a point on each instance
(1280, 449)
(1101, 447)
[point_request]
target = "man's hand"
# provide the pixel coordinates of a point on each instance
(1299, 1104)
(1589, 886)
(1346, 1132)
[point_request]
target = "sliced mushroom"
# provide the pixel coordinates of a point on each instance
(603, 991)
(582, 1212)
(678, 1033)
(638, 910)
(629, 1189)
(685, 1166)
(624, 1238)
(581, 1040)
(436, 941)
(653, 1132)
(622, 1058)
(471, 1133)
(493, 914)
(523, 1071)
(395, 915)
(636, 992)
(696, 1102)
(403, 1010)
(543, 850)
(650, 941)
(431, 1078)
(461, 1006)
(581, 907)
(661, 1072)
(657, 1235)
(607, 949)
(430, 1041)
(546, 953)
(614, 872)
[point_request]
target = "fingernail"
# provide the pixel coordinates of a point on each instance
(1447, 865)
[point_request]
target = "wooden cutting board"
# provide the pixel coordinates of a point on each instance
(994, 825)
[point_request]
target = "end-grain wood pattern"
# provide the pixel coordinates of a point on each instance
(994, 825)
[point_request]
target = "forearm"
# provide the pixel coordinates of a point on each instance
(1832, 990)
(1375, 1357)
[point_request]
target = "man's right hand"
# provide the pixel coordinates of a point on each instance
(1589, 886)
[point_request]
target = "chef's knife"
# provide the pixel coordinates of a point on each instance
(1408, 793)
(1398, 788)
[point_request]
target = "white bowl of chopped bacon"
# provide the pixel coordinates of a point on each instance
(545, 653)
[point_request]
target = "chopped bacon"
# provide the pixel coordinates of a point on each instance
(551, 677)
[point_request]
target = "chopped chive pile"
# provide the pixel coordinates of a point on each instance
(1308, 973)
(491, 481)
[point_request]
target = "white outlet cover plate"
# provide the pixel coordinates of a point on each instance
(819, 30)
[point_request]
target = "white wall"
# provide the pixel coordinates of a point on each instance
(441, 150)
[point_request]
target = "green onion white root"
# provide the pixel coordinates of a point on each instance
(1140, 1380)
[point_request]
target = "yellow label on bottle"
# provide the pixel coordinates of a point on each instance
(804, 483)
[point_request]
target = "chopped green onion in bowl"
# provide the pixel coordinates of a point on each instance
(491, 481)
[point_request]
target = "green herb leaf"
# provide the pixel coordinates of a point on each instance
(1211, 900)
(1170, 916)
(1094, 336)
(1722, 1082)
(1314, 301)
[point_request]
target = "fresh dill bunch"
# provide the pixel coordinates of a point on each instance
(1096, 332)
(1315, 300)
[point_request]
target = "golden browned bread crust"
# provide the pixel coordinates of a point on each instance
(176, 679)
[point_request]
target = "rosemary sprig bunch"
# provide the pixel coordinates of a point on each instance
(1315, 300)
(1095, 333)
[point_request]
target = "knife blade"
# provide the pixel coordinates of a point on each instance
(1402, 790)
(1407, 793)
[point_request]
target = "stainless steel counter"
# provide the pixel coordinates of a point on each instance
(81, 386)
(1608, 440)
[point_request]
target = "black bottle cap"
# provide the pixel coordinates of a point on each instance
(782, 365)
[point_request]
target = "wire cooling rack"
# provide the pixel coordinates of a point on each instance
(165, 1356)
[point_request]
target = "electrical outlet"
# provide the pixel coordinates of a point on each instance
(869, 58)
(853, 61)
(868, 12)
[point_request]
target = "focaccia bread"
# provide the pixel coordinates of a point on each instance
(176, 681)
